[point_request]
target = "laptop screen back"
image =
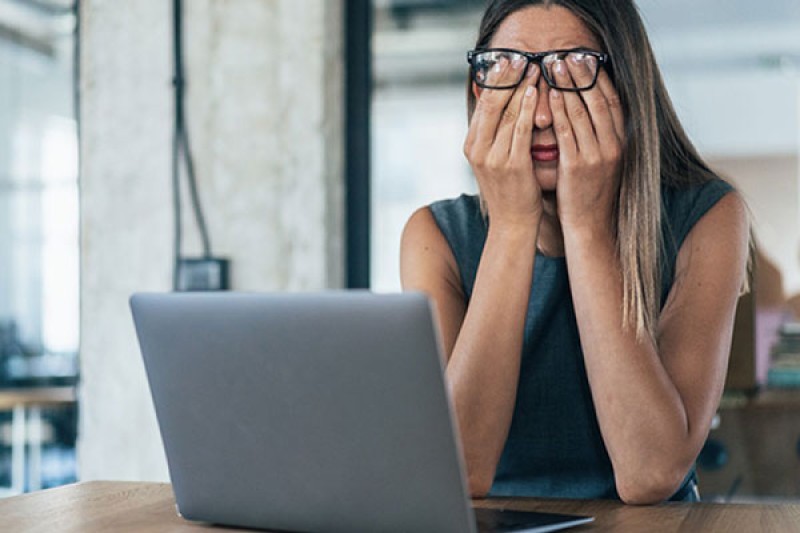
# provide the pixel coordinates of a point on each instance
(313, 412)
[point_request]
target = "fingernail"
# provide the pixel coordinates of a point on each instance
(555, 94)
(559, 67)
(498, 67)
(516, 64)
(529, 90)
(533, 71)
(591, 61)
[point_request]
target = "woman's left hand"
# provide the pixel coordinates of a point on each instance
(590, 131)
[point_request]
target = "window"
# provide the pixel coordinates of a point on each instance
(38, 241)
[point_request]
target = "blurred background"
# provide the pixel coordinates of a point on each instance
(734, 76)
(39, 328)
(317, 128)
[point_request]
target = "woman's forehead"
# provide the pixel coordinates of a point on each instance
(539, 28)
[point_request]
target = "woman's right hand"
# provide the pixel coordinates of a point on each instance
(498, 147)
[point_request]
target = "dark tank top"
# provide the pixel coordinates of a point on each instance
(554, 447)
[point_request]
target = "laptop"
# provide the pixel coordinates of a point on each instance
(310, 412)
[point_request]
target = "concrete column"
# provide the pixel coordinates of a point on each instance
(265, 88)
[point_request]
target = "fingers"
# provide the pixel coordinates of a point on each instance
(491, 106)
(523, 130)
(565, 137)
(614, 104)
(579, 119)
(514, 114)
(600, 113)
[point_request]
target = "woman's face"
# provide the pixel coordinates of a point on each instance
(539, 29)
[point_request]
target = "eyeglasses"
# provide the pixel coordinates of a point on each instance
(483, 61)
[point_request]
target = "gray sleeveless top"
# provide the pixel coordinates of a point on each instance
(554, 447)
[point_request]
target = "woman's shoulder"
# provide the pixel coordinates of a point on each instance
(685, 204)
(459, 217)
(465, 205)
(683, 193)
(454, 228)
(449, 216)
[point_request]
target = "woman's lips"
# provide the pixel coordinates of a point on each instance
(545, 152)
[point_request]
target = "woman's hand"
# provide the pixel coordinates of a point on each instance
(498, 147)
(590, 131)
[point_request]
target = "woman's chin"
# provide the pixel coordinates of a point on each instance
(547, 179)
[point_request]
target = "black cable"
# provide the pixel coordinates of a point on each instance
(184, 132)
(176, 145)
(196, 206)
(176, 203)
(182, 146)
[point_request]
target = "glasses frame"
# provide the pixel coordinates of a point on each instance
(536, 59)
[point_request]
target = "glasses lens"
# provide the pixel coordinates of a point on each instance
(498, 69)
(571, 70)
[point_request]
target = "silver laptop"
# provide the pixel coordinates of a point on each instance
(310, 412)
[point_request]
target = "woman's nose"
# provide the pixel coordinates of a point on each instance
(543, 118)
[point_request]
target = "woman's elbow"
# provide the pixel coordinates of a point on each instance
(479, 485)
(649, 488)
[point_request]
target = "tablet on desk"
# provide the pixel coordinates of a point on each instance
(310, 412)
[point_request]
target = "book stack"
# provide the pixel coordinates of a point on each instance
(784, 372)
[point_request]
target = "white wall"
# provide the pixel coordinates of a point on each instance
(752, 113)
(771, 186)
(265, 100)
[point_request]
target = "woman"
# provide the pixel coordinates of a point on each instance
(586, 300)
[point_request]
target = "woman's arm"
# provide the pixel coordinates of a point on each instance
(654, 399)
(483, 342)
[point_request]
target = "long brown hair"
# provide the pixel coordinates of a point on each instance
(657, 150)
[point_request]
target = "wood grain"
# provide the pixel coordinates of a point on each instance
(150, 507)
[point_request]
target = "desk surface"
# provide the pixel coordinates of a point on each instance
(9, 398)
(150, 507)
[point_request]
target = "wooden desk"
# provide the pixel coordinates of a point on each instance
(150, 507)
(26, 423)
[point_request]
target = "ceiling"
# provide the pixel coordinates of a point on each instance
(419, 39)
(670, 14)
